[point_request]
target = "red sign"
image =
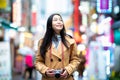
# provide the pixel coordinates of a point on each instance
(34, 19)
(76, 15)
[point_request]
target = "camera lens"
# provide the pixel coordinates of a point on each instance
(57, 75)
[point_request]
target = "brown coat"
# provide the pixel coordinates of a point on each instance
(71, 59)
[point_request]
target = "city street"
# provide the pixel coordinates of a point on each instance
(18, 76)
(32, 31)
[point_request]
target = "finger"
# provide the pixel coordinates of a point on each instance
(50, 70)
(50, 74)
(64, 74)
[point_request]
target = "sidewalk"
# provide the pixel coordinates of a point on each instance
(18, 76)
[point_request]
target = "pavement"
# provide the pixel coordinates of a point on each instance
(18, 76)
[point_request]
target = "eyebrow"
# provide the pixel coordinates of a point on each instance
(57, 18)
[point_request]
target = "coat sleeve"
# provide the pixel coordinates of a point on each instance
(74, 59)
(40, 62)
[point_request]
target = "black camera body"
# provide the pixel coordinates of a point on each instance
(57, 73)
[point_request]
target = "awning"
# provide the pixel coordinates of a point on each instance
(7, 24)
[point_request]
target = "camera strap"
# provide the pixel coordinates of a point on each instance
(62, 55)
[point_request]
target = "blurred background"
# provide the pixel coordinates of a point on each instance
(94, 24)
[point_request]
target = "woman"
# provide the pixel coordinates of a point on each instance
(57, 57)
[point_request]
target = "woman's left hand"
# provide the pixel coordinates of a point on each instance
(64, 74)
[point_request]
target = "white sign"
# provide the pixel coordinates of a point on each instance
(5, 61)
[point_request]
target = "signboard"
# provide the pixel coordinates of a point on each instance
(34, 19)
(17, 16)
(104, 6)
(3, 3)
(5, 61)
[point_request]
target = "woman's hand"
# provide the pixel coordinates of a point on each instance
(64, 74)
(50, 73)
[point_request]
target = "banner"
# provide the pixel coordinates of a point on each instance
(5, 61)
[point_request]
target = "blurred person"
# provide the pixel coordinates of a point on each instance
(81, 66)
(97, 59)
(57, 56)
(28, 66)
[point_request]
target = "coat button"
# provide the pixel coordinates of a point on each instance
(51, 60)
(59, 60)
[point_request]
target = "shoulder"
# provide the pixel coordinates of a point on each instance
(67, 35)
(70, 39)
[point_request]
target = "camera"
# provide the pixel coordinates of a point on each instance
(57, 73)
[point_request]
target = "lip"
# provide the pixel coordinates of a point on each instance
(59, 26)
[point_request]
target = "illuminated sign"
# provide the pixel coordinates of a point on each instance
(3, 3)
(104, 6)
(17, 12)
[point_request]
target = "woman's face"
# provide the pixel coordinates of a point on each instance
(57, 23)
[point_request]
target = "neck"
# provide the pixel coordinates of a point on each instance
(57, 32)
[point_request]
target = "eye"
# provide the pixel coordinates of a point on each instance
(55, 19)
(60, 19)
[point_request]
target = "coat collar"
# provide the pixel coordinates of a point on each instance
(58, 51)
(61, 47)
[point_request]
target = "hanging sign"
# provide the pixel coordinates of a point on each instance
(5, 61)
(3, 4)
(104, 6)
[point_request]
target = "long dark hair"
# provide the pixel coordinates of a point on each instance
(47, 40)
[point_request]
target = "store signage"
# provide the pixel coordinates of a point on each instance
(3, 4)
(17, 16)
(104, 6)
(34, 18)
(5, 61)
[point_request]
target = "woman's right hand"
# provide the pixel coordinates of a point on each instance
(50, 73)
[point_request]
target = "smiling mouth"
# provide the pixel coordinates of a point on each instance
(58, 25)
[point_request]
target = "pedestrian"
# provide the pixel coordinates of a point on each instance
(28, 66)
(56, 58)
(81, 66)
